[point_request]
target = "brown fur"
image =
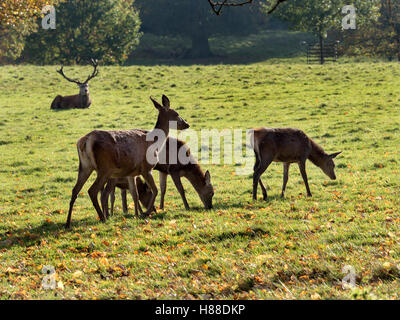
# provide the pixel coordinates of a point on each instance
(118, 154)
(191, 171)
(287, 145)
(81, 100)
(69, 102)
(143, 189)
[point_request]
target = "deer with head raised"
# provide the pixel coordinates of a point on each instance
(287, 145)
(190, 170)
(81, 100)
(123, 153)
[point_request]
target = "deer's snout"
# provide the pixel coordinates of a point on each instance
(183, 124)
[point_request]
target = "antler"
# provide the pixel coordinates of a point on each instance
(95, 71)
(69, 79)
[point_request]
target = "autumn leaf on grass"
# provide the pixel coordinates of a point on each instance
(11, 270)
(77, 274)
(263, 258)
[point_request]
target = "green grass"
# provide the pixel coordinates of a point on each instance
(280, 249)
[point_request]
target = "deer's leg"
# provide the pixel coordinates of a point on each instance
(112, 201)
(264, 190)
(124, 202)
(285, 177)
(148, 177)
(135, 196)
(264, 163)
(178, 184)
(83, 176)
(257, 164)
(105, 194)
(163, 187)
(94, 190)
(302, 166)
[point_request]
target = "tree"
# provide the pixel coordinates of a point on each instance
(107, 30)
(16, 12)
(320, 16)
(195, 20)
(381, 38)
(390, 22)
(17, 20)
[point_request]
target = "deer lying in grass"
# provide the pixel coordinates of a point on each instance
(288, 146)
(81, 100)
(191, 171)
(122, 153)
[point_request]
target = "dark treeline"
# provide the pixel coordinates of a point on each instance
(110, 30)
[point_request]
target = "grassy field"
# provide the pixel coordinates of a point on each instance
(281, 249)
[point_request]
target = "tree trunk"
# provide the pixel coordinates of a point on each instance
(200, 47)
(198, 30)
(321, 47)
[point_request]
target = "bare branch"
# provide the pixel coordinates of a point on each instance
(217, 6)
(276, 6)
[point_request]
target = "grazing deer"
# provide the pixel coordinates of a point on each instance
(143, 189)
(122, 153)
(81, 100)
(191, 171)
(287, 145)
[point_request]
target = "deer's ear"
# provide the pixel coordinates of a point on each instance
(165, 102)
(207, 176)
(334, 155)
(156, 104)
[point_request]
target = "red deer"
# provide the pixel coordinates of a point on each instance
(122, 153)
(81, 100)
(191, 171)
(287, 145)
(143, 189)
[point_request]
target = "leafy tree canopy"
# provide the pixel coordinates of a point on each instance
(106, 30)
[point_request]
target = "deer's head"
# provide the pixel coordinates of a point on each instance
(166, 113)
(207, 192)
(83, 86)
(84, 89)
(328, 166)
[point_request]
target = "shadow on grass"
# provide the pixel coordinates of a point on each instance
(249, 234)
(250, 204)
(265, 45)
(26, 237)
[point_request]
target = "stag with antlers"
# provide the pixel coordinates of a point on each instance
(81, 100)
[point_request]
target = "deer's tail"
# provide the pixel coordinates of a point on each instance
(253, 140)
(85, 151)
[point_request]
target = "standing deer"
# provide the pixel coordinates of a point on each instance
(191, 171)
(122, 153)
(287, 145)
(81, 100)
